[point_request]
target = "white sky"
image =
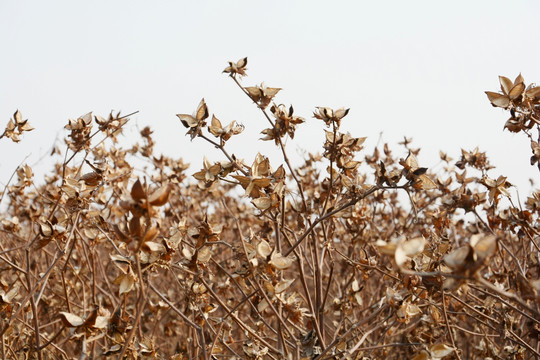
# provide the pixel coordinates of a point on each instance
(414, 68)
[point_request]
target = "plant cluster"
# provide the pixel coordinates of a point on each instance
(260, 259)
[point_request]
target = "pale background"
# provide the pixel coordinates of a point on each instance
(414, 68)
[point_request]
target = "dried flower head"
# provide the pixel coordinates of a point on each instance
(196, 121)
(262, 95)
(15, 127)
(330, 116)
(238, 67)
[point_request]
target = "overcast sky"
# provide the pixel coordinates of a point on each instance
(405, 68)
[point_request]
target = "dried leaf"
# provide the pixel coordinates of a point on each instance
(262, 203)
(46, 229)
(154, 247)
(137, 191)
(113, 350)
(407, 249)
(187, 253)
(173, 241)
(92, 178)
(160, 196)
(498, 100)
(126, 282)
(484, 246)
(441, 350)
(457, 258)
(282, 285)
(506, 84)
(280, 262)
(408, 310)
(202, 111)
(70, 320)
(264, 249)
(516, 91)
(187, 120)
(387, 248)
(17, 116)
(355, 286)
(215, 127)
(204, 254)
(151, 234)
(533, 93)
(7, 298)
(101, 322)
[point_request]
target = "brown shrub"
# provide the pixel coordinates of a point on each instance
(265, 260)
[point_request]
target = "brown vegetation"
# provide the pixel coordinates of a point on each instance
(265, 260)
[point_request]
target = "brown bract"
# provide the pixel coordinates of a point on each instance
(261, 94)
(330, 116)
(226, 132)
(415, 174)
(195, 122)
(511, 92)
(16, 126)
(285, 123)
(257, 179)
(496, 188)
(80, 131)
(238, 67)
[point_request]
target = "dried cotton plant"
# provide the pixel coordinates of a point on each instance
(259, 259)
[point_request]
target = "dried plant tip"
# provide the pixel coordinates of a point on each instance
(196, 121)
(330, 116)
(16, 127)
(415, 174)
(285, 123)
(209, 172)
(238, 67)
(226, 132)
(80, 132)
(262, 95)
(496, 188)
(512, 93)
